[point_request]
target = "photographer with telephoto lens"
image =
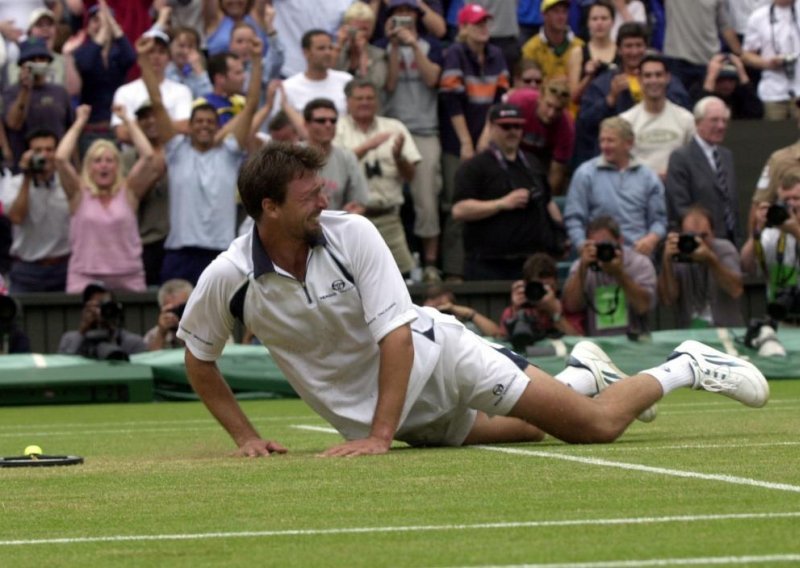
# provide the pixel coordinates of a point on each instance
(612, 285)
(535, 312)
(700, 274)
(100, 334)
(172, 297)
(772, 252)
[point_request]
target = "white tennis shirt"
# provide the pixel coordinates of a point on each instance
(322, 333)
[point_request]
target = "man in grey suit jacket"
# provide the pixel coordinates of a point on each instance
(701, 172)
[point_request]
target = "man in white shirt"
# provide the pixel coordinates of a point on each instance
(772, 44)
(659, 125)
(322, 293)
(319, 79)
(177, 98)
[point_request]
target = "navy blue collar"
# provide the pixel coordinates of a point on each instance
(262, 263)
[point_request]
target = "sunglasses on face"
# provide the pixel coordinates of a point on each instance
(324, 120)
(556, 92)
(508, 127)
(531, 80)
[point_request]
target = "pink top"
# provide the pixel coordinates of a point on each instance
(105, 236)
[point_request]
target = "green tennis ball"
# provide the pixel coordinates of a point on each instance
(33, 451)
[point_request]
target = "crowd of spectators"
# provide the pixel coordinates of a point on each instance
(462, 130)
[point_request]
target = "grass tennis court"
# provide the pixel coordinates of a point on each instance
(709, 482)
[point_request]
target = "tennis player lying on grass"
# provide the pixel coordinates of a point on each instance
(322, 292)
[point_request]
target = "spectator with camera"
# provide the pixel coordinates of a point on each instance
(772, 44)
(411, 96)
(37, 205)
(504, 201)
(172, 297)
(617, 185)
(701, 274)
(354, 52)
(771, 250)
(612, 285)
(536, 311)
(33, 103)
(100, 334)
(702, 172)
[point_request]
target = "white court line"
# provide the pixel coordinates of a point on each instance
(612, 447)
(407, 528)
(647, 469)
(702, 561)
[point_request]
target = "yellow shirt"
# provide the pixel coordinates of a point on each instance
(539, 50)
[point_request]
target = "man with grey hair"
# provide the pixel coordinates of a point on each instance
(702, 173)
(172, 297)
(617, 185)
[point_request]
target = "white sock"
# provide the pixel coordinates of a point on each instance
(579, 379)
(673, 374)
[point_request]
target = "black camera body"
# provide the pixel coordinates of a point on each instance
(100, 344)
(535, 291)
(606, 252)
(777, 214)
(687, 244)
(603, 66)
(37, 164)
(111, 312)
(786, 305)
(523, 331)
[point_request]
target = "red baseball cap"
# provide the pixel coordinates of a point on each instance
(472, 14)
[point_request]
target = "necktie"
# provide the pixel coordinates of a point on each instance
(722, 187)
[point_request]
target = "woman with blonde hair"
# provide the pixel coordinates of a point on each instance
(104, 232)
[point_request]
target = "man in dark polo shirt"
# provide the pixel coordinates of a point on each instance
(503, 198)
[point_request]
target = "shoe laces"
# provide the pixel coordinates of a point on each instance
(719, 379)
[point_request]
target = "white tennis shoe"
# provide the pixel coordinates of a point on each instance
(725, 374)
(589, 356)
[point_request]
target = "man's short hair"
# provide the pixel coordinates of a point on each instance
(308, 37)
(622, 126)
(269, 171)
(701, 107)
(173, 286)
(218, 64)
(358, 83)
(314, 104)
(697, 209)
(652, 57)
(631, 30)
(202, 107)
(279, 121)
(539, 265)
(604, 222)
(40, 133)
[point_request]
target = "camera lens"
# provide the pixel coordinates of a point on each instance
(687, 243)
(606, 251)
(776, 215)
(534, 291)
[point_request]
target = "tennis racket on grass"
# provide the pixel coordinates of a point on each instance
(39, 461)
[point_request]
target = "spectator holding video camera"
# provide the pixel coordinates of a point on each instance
(100, 334)
(771, 250)
(172, 297)
(701, 274)
(536, 311)
(612, 285)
